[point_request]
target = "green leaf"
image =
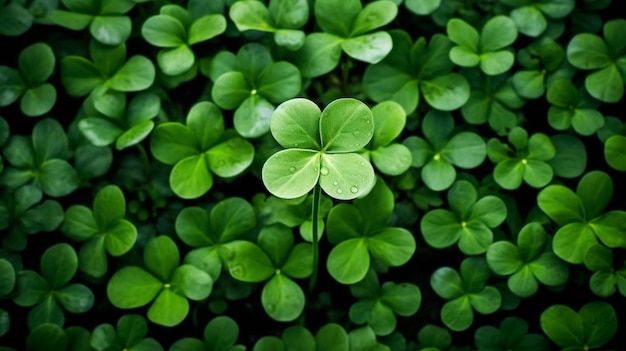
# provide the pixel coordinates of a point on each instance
(164, 31)
(161, 257)
(440, 228)
(588, 51)
(132, 287)
(176, 61)
(372, 16)
(529, 20)
(289, 13)
(36, 64)
(80, 76)
(11, 85)
(606, 85)
(498, 33)
(230, 90)
(465, 150)
(120, 237)
(392, 246)
(422, 7)
(446, 92)
(457, 314)
(504, 258)
(252, 117)
(563, 326)
(291, 173)
(394, 159)
(279, 81)
(572, 241)
(205, 28)
(346, 125)
(614, 152)
(135, 75)
(59, 264)
(295, 123)
(349, 261)
(190, 178)
(32, 288)
(249, 263)
(610, 228)
(251, 15)
(561, 204)
(599, 322)
(75, 298)
(282, 298)
(220, 333)
(45, 336)
(133, 136)
(345, 176)
(111, 30)
(336, 18)
(168, 309)
(370, 48)
(570, 160)
(438, 174)
(39, 100)
(7, 274)
(447, 283)
(319, 55)
(193, 283)
(15, 19)
(109, 206)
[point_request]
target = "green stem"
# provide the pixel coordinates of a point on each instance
(317, 194)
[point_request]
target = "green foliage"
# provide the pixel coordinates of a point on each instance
(312, 175)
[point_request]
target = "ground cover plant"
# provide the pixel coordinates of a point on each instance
(354, 175)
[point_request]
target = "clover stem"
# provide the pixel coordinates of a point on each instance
(317, 193)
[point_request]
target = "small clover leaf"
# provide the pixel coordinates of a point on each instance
(123, 126)
(580, 218)
(174, 30)
(493, 100)
(360, 233)
(276, 260)
(106, 20)
(165, 284)
(433, 338)
(570, 159)
(378, 305)
(527, 262)
(572, 107)
(321, 147)
(199, 149)
(220, 334)
(468, 222)
(389, 157)
(130, 334)
(36, 64)
(417, 69)
(527, 161)
(15, 19)
(591, 327)
(281, 17)
(51, 290)
(543, 60)
(465, 293)
(209, 232)
(109, 70)
(102, 230)
(252, 85)
(606, 57)
(530, 15)
(23, 212)
(422, 7)
(441, 151)
(40, 160)
(347, 27)
(605, 278)
(487, 49)
(330, 337)
(512, 336)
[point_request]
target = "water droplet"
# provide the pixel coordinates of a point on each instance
(362, 179)
(167, 285)
(356, 133)
(362, 163)
(354, 190)
(270, 308)
(335, 183)
(292, 169)
(324, 171)
(339, 191)
(315, 169)
(296, 145)
(237, 271)
(253, 92)
(367, 121)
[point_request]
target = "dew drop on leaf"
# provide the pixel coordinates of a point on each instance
(354, 189)
(324, 171)
(292, 169)
(339, 191)
(237, 271)
(335, 183)
(270, 307)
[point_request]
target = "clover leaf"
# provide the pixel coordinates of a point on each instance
(359, 233)
(113, 122)
(614, 152)
(580, 218)
(199, 149)
(23, 212)
(378, 305)
(528, 261)
(210, 232)
(106, 20)
(422, 7)
(347, 26)
(330, 337)
(130, 335)
(108, 70)
(493, 100)
(321, 147)
(220, 334)
(543, 60)
(4, 136)
(40, 160)
(487, 49)
(525, 162)
(389, 157)
(417, 69)
(606, 57)
(530, 15)
(51, 292)
(572, 107)
(251, 86)
(433, 338)
(164, 283)
(174, 30)
(441, 151)
(281, 17)
(570, 159)
(7, 286)
(466, 292)
(101, 230)
(512, 336)
(35, 65)
(591, 327)
(468, 222)
(277, 259)
(605, 278)
(15, 19)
